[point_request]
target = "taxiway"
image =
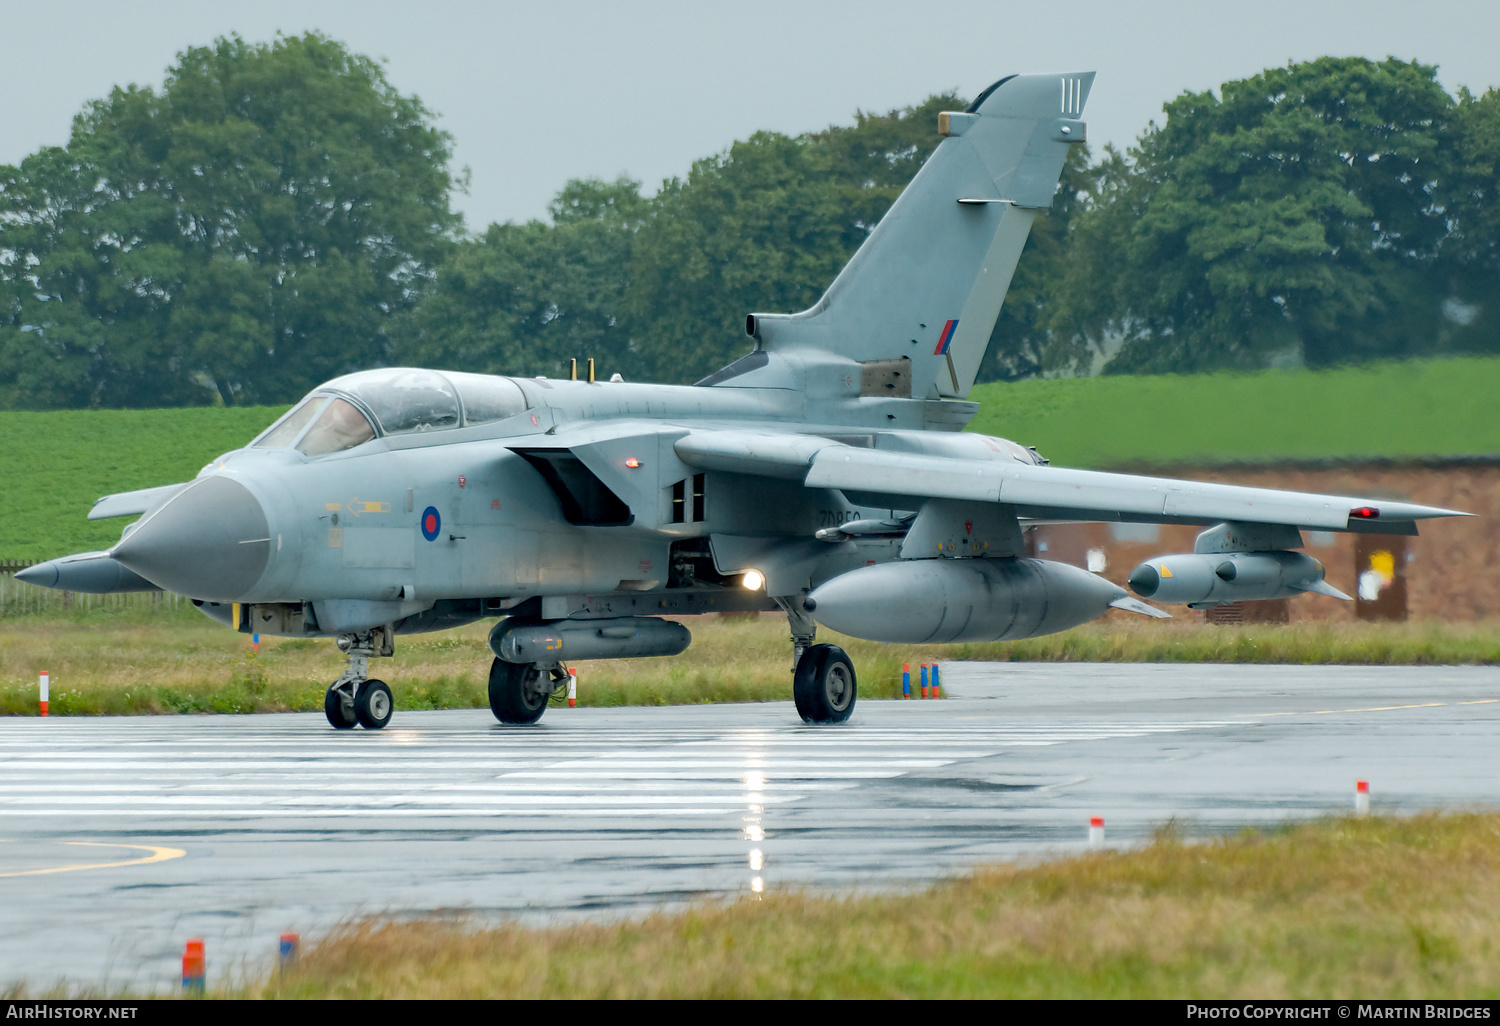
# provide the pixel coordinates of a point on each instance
(122, 837)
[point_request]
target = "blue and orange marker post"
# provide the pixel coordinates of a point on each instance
(193, 967)
(290, 942)
(906, 680)
(924, 680)
(255, 643)
(937, 691)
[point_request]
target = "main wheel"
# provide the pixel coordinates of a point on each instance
(373, 705)
(515, 692)
(339, 708)
(823, 685)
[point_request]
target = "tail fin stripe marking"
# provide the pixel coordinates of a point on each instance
(944, 338)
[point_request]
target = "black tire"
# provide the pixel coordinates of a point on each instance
(339, 708)
(513, 699)
(823, 686)
(373, 705)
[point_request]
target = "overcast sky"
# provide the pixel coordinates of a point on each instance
(535, 94)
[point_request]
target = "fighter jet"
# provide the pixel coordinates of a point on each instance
(824, 474)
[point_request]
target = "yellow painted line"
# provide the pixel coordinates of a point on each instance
(157, 855)
(1373, 708)
(1382, 708)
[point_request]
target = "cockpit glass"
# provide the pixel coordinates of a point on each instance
(404, 400)
(340, 427)
(488, 398)
(285, 431)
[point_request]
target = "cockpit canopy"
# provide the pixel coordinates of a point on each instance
(355, 408)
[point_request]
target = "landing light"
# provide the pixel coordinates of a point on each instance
(754, 580)
(632, 463)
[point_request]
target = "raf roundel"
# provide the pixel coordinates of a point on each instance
(431, 521)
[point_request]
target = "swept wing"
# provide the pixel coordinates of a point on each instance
(906, 480)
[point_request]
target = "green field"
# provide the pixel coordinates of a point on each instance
(58, 463)
(1410, 409)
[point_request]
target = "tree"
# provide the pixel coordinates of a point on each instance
(1471, 255)
(1023, 343)
(1295, 218)
(523, 299)
(245, 232)
(765, 226)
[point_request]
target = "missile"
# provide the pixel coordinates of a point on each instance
(942, 600)
(616, 638)
(1219, 577)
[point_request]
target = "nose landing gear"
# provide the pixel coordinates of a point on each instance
(354, 698)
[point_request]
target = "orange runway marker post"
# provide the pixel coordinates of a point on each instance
(193, 964)
(45, 683)
(572, 687)
(1361, 797)
(1096, 831)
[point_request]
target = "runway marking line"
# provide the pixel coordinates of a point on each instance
(157, 855)
(1373, 708)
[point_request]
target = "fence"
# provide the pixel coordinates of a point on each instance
(17, 598)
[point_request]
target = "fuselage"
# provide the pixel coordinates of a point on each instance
(569, 495)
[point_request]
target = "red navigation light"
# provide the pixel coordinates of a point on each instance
(1364, 513)
(632, 463)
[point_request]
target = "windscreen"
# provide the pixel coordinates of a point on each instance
(285, 431)
(340, 427)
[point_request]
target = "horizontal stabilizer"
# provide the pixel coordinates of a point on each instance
(1135, 605)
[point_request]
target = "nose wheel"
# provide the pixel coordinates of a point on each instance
(338, 706)
(354, 699)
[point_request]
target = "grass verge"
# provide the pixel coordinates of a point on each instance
(1369, 908)
(109, 666)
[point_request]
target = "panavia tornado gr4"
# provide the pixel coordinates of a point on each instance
(824, 474)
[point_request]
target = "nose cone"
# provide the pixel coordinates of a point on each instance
(1144, 580)
(209, 541)
(43, 574)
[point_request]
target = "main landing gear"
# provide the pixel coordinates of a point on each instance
(519, 691)
(823, 684)
(354, 698)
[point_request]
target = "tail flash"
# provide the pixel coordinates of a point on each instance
(928, 283)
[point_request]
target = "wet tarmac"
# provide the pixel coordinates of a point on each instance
(120, 838)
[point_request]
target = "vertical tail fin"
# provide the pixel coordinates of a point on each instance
(928, 283)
